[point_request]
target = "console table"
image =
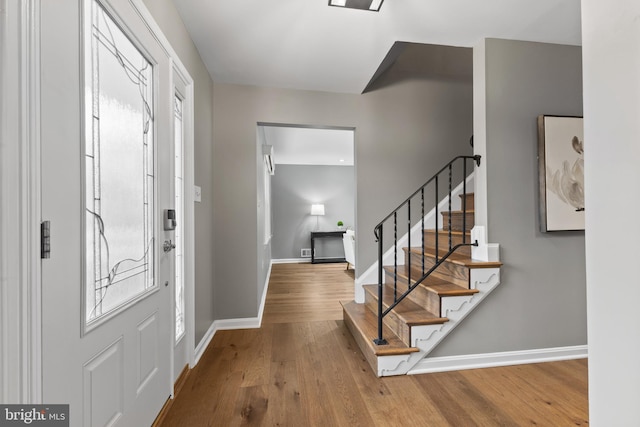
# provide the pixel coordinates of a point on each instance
(323, 235)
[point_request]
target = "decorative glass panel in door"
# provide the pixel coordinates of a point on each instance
(179, 230)
(119, 170)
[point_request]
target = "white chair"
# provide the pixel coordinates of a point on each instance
(349, 242)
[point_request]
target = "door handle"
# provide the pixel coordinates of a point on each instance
(168, 245)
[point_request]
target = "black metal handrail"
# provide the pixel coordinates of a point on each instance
(378, 232)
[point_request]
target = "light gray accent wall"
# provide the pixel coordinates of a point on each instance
(403, 133)
(541, 301)
(295, 188)
(167, 17)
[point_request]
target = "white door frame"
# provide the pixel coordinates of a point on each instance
(20, 195)
(20, 350)
(179, 72)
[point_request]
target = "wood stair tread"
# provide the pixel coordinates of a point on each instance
(411, 313)
(441, 231)
(367, 324)
(457, 259)
(458, 212)
(451, 290)
(440, 286)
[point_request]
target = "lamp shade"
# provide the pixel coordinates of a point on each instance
(317, 209)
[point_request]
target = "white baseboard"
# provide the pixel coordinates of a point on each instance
(291, 261)
(224, 325)
(203, 344)
(263, 300)
(492, 360)
(229, 324)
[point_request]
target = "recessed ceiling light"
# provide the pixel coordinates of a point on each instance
(341, 160)
(373, 5)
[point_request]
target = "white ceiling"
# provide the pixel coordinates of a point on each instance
(310, 146)
(306, 44)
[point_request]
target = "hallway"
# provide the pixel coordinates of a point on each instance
(303, 368)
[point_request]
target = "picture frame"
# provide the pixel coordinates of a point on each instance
(561, 173)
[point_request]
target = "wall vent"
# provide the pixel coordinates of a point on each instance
(305, 253)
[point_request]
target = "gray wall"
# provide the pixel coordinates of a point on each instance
(541, 301)
(404, 131)
(295, 188)
(167, 17)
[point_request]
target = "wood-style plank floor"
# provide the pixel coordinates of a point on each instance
(303, 368)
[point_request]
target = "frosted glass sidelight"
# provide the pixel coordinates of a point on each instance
(179, 207)
(119, 168)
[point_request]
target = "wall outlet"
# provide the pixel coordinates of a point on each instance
(305, 253)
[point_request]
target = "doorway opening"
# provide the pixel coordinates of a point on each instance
(306, 186)
(312, 188)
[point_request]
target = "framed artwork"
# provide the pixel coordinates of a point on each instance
(561, 173)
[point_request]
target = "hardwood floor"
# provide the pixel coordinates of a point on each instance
(303, 368)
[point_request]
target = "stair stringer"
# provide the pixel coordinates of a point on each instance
(427, 337)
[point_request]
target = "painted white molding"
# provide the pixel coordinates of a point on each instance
(291, 261)
(189, 227)
(491, 360)
(238, 323)
(204, 343)
(8, 161)
(395, 365)
(32, 300)
(20, 332)
(365, 279)
(484, 251)
(223, 325)
(480, 131)
(154, 29)
(263, 299)
(370, 275)
(178, 72)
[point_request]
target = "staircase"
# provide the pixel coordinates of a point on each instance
(414, 327)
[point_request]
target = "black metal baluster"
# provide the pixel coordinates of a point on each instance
(408, 264)
(422, 228)
(450, 213)
(395, 256)
(380, 340)
(464, 201)
(437, 221)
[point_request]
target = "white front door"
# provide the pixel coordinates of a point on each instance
(107, 152)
